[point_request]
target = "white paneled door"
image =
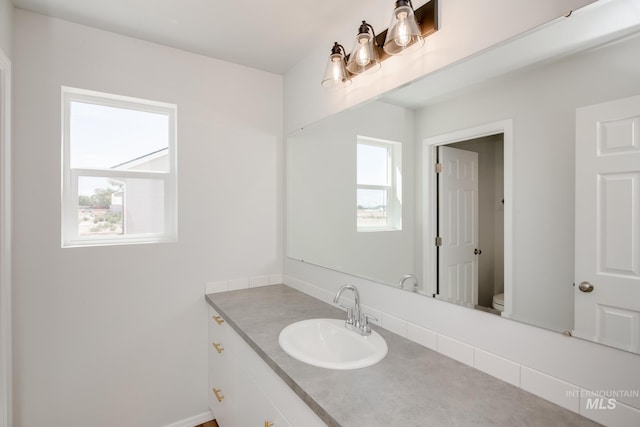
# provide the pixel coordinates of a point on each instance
(607, 259)
(458, 225)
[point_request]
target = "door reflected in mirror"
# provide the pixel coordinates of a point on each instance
(470, 222)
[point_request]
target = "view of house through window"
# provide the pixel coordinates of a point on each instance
(378, 197)
(119, 169)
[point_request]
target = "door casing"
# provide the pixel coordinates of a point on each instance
(429, 200)
(5, 242)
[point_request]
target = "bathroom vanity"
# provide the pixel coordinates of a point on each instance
(253, 382)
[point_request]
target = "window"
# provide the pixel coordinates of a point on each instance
(379, 180)
(119, 169)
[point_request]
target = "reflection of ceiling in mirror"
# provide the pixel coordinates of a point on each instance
(585, 28)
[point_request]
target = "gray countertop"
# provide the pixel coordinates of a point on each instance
(411, 386)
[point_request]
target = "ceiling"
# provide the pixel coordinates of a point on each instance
(270, 35)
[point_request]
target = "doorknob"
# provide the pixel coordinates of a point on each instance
(585, 287)
(477, 251)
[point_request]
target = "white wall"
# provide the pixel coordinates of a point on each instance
(115, 336)
(6, 27)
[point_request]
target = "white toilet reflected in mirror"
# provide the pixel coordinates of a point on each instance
(498, 302)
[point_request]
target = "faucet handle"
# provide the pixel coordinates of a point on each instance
(364, 322)
(349, 313)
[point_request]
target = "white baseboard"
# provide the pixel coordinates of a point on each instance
(193, 421)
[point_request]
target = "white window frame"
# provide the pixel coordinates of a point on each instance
(393, 187)
(70, 236)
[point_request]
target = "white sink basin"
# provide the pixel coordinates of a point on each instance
(328, 344)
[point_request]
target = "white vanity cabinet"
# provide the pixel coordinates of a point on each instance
(244, 390)
(222, 387)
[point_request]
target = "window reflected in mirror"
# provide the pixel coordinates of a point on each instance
(378, 190)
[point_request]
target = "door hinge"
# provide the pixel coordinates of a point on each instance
(438, 241)
(438, 167)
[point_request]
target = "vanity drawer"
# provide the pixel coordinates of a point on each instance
(222, 387)
(220, 343)
(217, 325)
(258, 409)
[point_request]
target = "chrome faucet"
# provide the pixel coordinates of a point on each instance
(405, 278)
(356, 321)
(353, 313)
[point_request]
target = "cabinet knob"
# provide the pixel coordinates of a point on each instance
(268, 423)
(219, 320)
(218, 394)
(219, 348)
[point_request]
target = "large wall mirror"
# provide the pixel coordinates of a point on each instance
(509, 182)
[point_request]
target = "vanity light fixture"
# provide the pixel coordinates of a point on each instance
(364, 56)
(404, 33)
(335, 75)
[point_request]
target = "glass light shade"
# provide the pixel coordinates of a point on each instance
(335, 75)
(364, 56)
(404, 33)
